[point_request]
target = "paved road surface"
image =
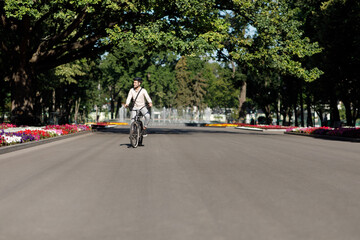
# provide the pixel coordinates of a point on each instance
(185, 183)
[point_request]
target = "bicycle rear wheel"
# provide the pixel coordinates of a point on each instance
(134, 134)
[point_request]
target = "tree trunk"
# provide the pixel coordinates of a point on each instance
(97, 114)
(320, 114)
(242, 99)
(38, 107)
(53, 107)
(289, 114)
(77, 107)
(115, 95)
(242, 96)
(302, 109)
(112, 107)
(22, 98)
(356, 113)
(278, 113)
(284, 114)
(335, 115)
(349, 117)
(267, 114)
(309, 116)
(296, 123)
(118, 106)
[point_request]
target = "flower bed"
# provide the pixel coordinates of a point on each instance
(248, 126)
(6, 126)
(310, 130)
(264, 126)
(35, 134)
(345, 132)
(349, 132)
(220, 125)
(107, 123)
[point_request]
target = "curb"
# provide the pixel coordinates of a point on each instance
(19, 146)
(325, 137)
(250, 129)
(262, 129)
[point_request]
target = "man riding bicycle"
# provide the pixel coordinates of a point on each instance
(139, 94)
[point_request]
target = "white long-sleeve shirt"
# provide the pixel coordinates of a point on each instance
(140, 101)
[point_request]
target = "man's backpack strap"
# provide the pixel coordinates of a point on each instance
(137, 95)
(135, 99)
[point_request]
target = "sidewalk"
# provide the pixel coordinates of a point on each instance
(19, 146)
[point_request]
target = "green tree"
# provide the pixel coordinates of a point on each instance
(67, 92)
(183, 78)
(160, 79)
(37, 36)
(199, 91)
(339, 24)
(334, 24)
(121, 65)
(192, 75)
(118, 68)
(198, 80)
(221, 91)
(4, 99)
(267, 35)
(264, 88)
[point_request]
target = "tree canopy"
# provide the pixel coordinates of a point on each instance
(262, 41)
(41, 35)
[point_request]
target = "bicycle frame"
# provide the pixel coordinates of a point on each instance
(136, 130)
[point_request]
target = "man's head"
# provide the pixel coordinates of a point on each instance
(137, 82)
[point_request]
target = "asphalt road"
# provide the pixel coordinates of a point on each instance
(185, 183)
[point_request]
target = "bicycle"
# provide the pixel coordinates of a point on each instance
(136, 130)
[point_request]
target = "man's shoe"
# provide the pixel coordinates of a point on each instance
(144, 133)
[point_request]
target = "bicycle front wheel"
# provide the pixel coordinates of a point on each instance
(134, 134)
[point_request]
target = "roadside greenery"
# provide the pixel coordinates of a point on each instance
(59, 60)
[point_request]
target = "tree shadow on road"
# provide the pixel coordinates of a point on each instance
(185, 131)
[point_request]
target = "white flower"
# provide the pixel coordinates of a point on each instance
(12, 139)
(54, 131)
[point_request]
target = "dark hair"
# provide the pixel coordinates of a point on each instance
(139, 79)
